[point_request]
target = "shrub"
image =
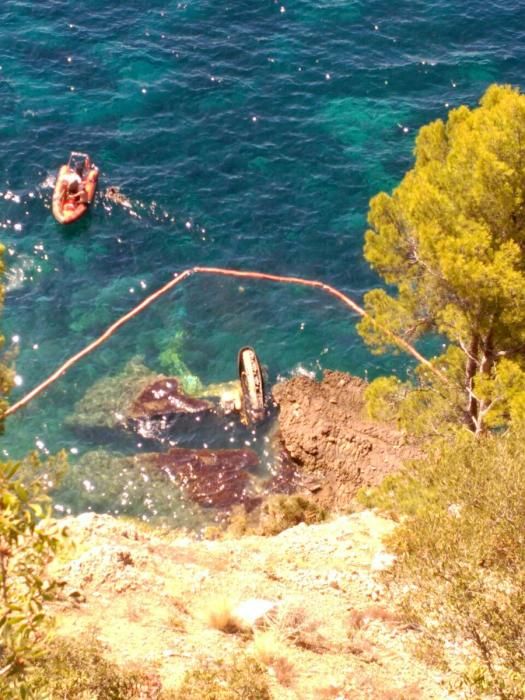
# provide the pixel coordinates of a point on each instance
(238, 524)
(281, 512)
(461, 549)
(217, 612)
(78, 670)
(277, 512)
(268, 647)
(284, 671)
(29, 539)
(296, 625)
(243, 678)
(357, 619)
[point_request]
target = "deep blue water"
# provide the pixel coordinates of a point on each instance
(248, 134)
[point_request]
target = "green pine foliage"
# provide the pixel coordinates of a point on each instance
(450, 239)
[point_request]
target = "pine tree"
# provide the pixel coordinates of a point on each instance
(451, 241)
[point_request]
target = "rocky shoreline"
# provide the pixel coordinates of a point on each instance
(337, 448)
(321, 443)
(147, 593)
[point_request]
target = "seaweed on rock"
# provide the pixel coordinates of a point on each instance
(212, 478)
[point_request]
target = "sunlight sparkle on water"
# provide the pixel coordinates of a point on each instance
(277, 195)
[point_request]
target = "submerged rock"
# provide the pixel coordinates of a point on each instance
(106, 403)
(165, 398)
(172, 364)
(163, 486)
(109, 482)
(216, 478)
(138, 398)
(285, 476)
(132, 398)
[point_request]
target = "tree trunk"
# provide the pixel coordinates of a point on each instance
(471, 368)
(485, 367)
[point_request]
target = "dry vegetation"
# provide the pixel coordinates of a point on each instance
(461, 557)
(217, 612)
(175, 609)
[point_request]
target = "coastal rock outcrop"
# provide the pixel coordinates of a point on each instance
(324, 428)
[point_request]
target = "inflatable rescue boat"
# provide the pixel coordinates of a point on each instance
(75, 188)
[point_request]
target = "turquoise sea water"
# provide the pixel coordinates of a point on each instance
(247, 134)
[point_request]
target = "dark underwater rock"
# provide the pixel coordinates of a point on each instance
(134, 399)
(165, 398)
(286, 476)
(211, 478)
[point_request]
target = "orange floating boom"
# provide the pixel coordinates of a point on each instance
(396, 340)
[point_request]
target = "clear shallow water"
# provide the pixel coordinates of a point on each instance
(247, 135)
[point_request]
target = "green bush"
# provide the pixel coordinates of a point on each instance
(461, 548)
(29, 539)
(78, 670)
(244, 678)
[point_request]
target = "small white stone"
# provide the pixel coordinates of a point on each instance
(252, 612)
(382, 561)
